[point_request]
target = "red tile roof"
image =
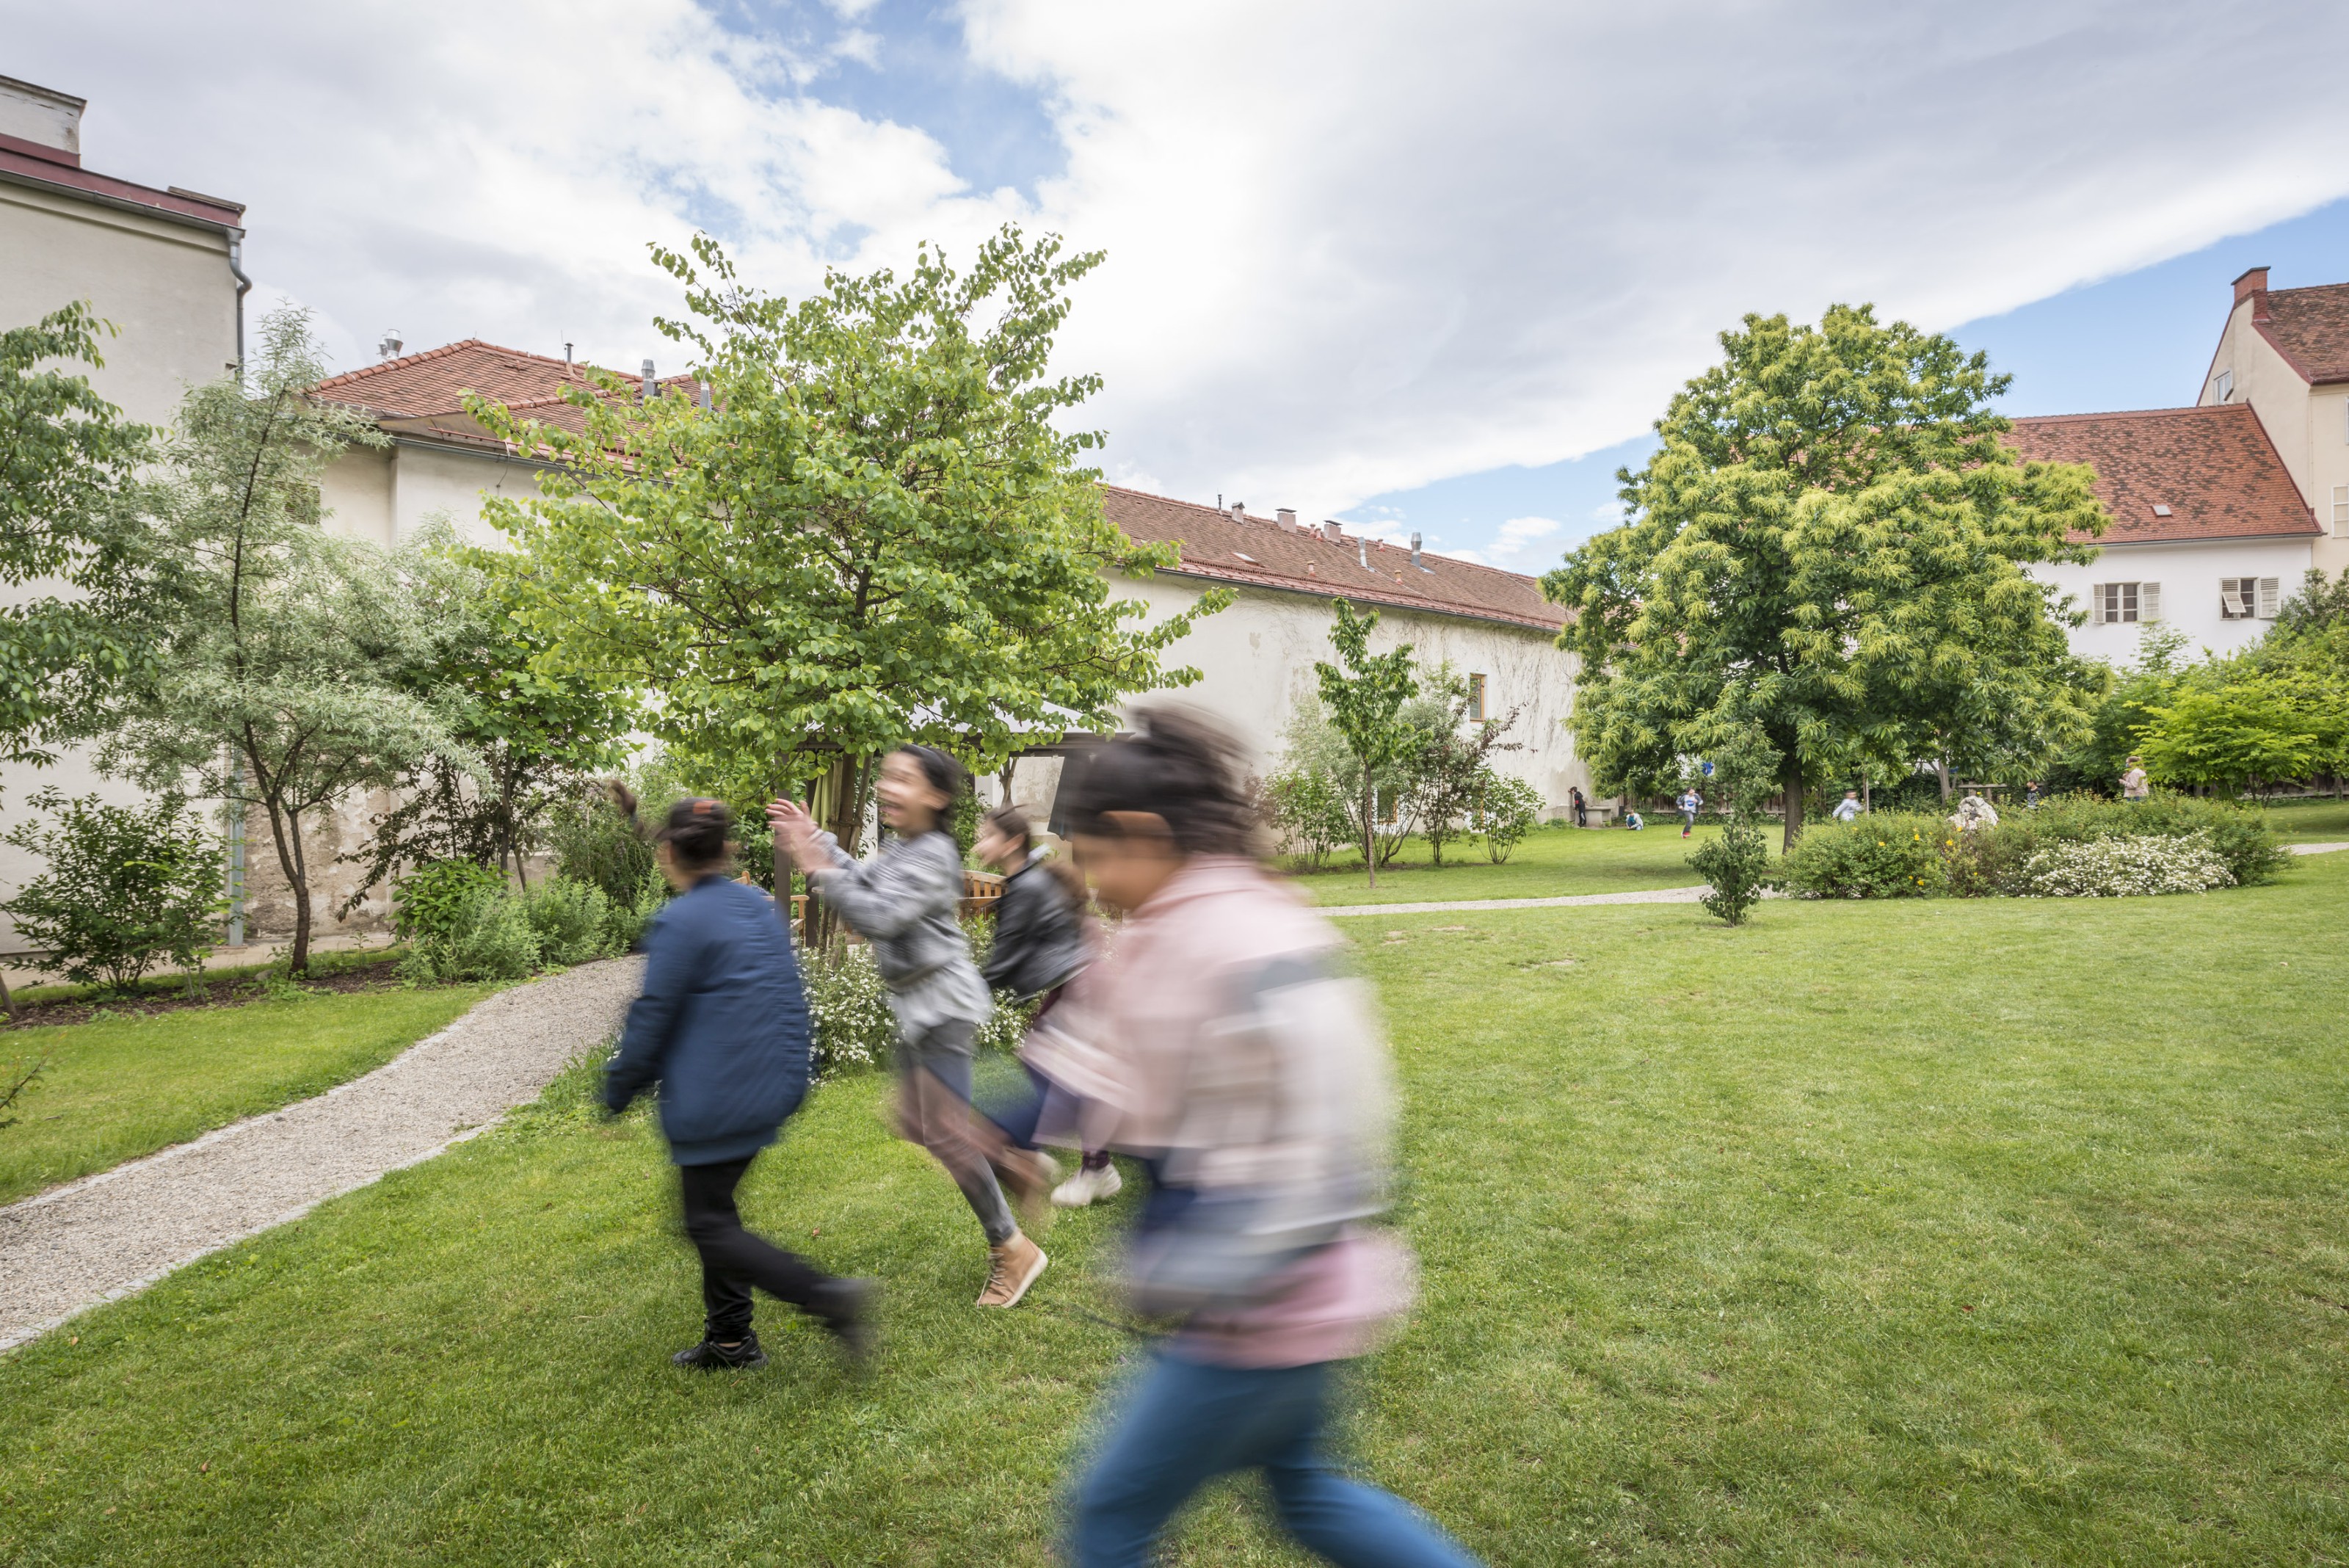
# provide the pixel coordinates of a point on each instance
(24, 163)
(2213, 467)
(1258, 551)
(425, 393)
(2309, 327)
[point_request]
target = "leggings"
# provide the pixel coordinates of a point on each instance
(934, 1102)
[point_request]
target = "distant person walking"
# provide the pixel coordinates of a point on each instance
(1849, 806)
(1690, 804)
(1244, 1065)
(1042, 941)
(1582, 808)
(903, 901)
(2030, 795)
(722, 1026)
(2134, 783)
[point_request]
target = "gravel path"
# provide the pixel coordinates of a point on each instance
(1658, 896)
(2316, 848)
(107, 1235)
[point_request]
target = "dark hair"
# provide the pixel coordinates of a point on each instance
(1012, 823)
(1179, 766)
(944, 775)
(697, 831)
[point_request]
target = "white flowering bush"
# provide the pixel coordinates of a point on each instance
(849, 1006)
(2127, 867)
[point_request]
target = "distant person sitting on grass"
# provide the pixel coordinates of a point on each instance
(1632, 820)
(2134, 783)
(1690, 804)
(1850, 808)
(722, 1026)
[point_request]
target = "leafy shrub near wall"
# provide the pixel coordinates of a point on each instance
(1507, 808)
(435, 901)
(490, 938)
(570, 918)
(124, 888)
(1878, 857)
(2124, 868)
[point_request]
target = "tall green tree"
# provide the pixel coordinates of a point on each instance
(1828, 551)
(280, 681)
(872, 530)
(72, 505)
(1363, 694)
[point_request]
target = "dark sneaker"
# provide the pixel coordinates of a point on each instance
(845, 1307)
(711, 1356)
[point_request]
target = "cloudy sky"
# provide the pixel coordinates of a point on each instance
(1427, 267)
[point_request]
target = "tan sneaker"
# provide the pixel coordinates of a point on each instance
(1010, 1270)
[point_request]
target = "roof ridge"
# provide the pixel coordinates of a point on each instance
(445, 349)
(1313, 534)
(2123, 413)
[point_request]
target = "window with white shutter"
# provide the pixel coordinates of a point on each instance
(2149, 601)
(2271, 597)
(2117, 603)
(2237, 597)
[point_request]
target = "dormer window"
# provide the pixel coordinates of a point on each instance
(2223, 385)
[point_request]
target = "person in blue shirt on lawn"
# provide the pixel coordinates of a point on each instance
(722, 1027)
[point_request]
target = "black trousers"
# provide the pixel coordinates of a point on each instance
(733, 1260)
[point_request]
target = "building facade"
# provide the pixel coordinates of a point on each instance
(161, 266)
(2286, 352)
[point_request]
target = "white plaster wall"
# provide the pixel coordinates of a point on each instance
(2309, 425)
(165, 284)
(1256, 661)
(387, 494)
(2189, 574)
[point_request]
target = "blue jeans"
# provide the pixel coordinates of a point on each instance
(1189, 1423)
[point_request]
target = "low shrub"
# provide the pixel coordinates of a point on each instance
(2127, 867)
(848, 1005)
(1507, 809)
(625, 922)
(490, 938)
(1998, 860)
(435, 901)
(595, 842)
(125, 888)
(571, 919)
(1736, 868)
(1877, 857)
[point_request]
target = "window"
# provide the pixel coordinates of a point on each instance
(2116, 603)
(2244, 599)
(1477, 698)
(2222, 386)
(2341, 511)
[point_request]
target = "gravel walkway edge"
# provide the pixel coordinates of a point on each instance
(117, 1231)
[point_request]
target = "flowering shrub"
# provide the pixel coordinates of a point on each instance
(1882, 856)
(2126, 867)
(1998, 859)
(848, 1003)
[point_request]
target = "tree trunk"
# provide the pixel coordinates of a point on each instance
(297, 961)
(1790, 778)
(1942, 771)
(7, 999)
(1371, 826)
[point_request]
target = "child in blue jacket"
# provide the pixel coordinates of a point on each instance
(722, 1026)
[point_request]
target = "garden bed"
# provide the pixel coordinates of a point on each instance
(331, 974)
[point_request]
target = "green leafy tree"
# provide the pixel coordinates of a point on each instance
(2100, 755)
(874, 532)
(1736, 865)
(528, 733)
(1507, 809)
(281, 682)
(123, 888)
(1828, 551)
(1363, 694)
(71, 507)
(1450, 769)
(2243, 727)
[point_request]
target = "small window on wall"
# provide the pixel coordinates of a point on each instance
(2118, 603)
(2248, 598)
(1477, 698)
(2223, 385)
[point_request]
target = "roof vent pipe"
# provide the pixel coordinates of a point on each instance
(649, 380)
(390, 346)
(1414, 551)
(705, 396)
(1362, 552)
(566, 355)
(1287, 517)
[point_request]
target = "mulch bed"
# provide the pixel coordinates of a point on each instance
(225, 990)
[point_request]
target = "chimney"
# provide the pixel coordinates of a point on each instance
(1414, 551)
(1239, 510)
(48, 118)
(705, 396)
(1287, 517)
(1332, 531)
(390, 346)
(566, 358)
(2253, 281)
(649, 380)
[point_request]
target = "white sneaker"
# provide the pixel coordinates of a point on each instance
(1088, 1186)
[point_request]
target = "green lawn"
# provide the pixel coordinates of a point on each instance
(116, 1088)
(1551, 863)
(2308, 822)
(1933, 1232)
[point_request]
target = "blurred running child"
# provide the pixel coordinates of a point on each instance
(1247, 1071)
(1690, 804)
(1042, 938)
(722, 1026)
(903, 901)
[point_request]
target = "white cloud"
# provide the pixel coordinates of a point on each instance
(1353, 248)
(1519, 535)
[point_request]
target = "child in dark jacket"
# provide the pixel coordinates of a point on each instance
(1042, 940)
(722, 1026)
